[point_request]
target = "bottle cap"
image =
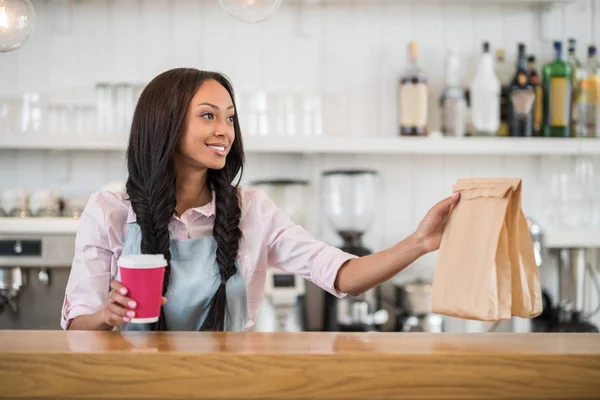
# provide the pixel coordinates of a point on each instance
(531, 59)
(500, 55)
(557, 45)
(591, 50)
(486, 47)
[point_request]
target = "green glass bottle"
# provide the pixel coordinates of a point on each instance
(557, 77)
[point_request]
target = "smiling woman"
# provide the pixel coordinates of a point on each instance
(184, 152)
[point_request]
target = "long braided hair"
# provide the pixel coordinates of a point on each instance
(158, 123)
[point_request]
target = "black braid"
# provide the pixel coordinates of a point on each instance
(153, 215)
(227, 234)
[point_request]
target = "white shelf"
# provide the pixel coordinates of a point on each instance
(580, 238)
(75, 142)
(436, 1)
(587, 238)
(434, 145)
(425, 145)
(38, 226)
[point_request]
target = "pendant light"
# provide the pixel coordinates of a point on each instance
(17, 23)
(250, 10)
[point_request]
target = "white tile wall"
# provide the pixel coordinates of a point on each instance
(350, 53)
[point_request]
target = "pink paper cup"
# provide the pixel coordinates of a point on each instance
(143, 277)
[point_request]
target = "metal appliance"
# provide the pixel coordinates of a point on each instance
(35, 259)
(534, 324)
(413, 308)
(537, 238)
(573, 266)
(350, 206)
(11, 281)
(284, 307)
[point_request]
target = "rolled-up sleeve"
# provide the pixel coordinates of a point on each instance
(292, 249)
(89, 280)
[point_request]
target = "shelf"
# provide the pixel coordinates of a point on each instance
(434, 145)
(576, 238)
(588, 238)
(38, 226)
(436, 1)
(75, 142)
(425, 146)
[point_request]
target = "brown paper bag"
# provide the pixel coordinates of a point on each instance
(486, 268)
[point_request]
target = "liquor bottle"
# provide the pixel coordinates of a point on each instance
(578, 70)
(503, 70)
(589, 98)
(485, 96)
(412, 97)
(557, 77)
(521, 97)
(538, 107)
(452, 101)
(504, 74)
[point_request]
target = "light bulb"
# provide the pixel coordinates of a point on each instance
(17, 22)
(250, 10)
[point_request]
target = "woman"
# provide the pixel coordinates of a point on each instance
(185, 150)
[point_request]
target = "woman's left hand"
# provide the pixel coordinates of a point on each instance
(430, 230)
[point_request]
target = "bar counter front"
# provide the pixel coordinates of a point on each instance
(309, 365)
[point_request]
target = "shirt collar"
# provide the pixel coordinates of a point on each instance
(208, 210)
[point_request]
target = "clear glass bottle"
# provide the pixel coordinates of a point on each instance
(412, 97)
(557, 77)
(578, 72)
(588, 104)
(504, 73)
(453, 104)
(503, 70)
(485, 96)
(536, 81)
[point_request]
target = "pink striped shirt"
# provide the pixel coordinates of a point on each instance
(269, 238)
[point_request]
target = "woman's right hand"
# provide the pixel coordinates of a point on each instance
(119, 308)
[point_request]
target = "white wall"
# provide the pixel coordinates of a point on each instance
(351, 54)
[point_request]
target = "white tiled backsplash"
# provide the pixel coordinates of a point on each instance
(353, 53)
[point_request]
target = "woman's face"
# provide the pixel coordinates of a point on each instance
(209, 131)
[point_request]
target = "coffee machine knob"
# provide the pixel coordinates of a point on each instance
(44, 276)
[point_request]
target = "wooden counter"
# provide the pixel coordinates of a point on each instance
(84, 365)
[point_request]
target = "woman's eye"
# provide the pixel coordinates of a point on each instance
(231, 119)
(208, 116)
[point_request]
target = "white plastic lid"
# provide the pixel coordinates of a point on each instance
(142, 261)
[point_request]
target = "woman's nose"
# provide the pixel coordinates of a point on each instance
(223, 128)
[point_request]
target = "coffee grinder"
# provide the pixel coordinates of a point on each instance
(284, 308)
(350, 206)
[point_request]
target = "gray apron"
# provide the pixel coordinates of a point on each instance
(194, 279)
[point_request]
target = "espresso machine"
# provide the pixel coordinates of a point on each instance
(284, 307)
(573, 266)
(349, 197)
(12, 279)
(413, 308)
